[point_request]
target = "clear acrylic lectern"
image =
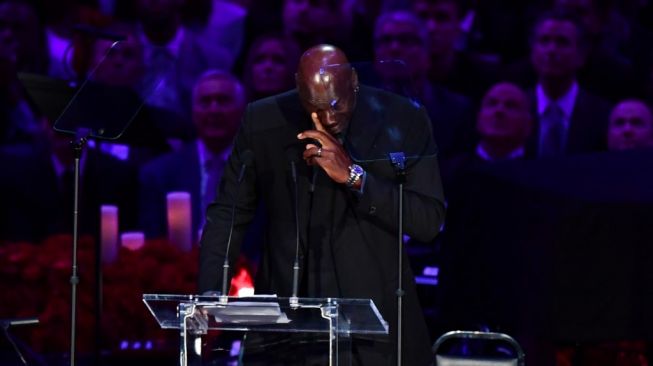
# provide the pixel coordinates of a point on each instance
(195, 315)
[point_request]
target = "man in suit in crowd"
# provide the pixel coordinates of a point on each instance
(347, 226)
(504, 123)
(401, 55)
(218, 105)
(569, 119)
(631, 126)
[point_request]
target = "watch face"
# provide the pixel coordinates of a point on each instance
(356, 169)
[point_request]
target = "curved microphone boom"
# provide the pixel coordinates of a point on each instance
(246, 159)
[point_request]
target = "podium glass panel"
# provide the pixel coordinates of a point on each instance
(336, 319)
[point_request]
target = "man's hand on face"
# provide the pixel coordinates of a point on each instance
(331, 157)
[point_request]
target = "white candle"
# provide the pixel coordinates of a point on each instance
(133, 240)
(109, 233)
(180, 220)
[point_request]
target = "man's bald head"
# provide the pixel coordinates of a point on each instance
(327, 85)
(320, 56)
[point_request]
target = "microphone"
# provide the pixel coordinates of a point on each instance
(294, 300)
(246, 159)
(6, 323)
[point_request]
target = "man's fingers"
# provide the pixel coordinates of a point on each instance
(317, 156)
(309, 155)
(317, 123)
(322, 137)
(319, 133)
(311, 152)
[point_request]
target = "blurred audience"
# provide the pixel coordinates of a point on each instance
(64, 35)
(23, 36)
(401, 57)
(218, 105)
(360, 16)
(570, 120)
(38, 188)
(631, 126)
(648, 76)
(174, 55)
(456, 70)
(497, 31)
(607, 72)
(311, 22)
(218, 21)
(270, 66)
(121, 65)
(262, 17)
(22, 49)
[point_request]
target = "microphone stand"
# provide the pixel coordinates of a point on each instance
(398, 161)
(294, 300)
(224, 296)
(77, 146)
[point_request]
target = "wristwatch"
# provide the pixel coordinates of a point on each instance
(355, 173)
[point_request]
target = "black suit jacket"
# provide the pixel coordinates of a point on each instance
(587, 129)
(364, 236)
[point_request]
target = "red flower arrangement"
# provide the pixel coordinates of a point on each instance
(35, 282)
